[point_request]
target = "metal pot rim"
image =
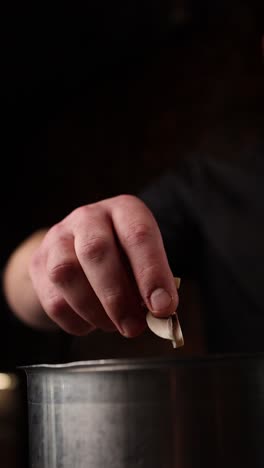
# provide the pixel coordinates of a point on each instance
(145, 363)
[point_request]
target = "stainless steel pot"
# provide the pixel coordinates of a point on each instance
(155, 413)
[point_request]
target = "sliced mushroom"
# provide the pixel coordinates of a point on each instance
(167, 328)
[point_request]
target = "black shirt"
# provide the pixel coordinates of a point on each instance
(210, 213)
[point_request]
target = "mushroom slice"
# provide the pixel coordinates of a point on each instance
(167, 328)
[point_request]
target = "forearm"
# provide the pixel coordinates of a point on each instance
(17, 285)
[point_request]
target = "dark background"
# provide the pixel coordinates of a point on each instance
(98, 100)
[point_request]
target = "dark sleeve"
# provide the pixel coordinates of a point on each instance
(171, 199)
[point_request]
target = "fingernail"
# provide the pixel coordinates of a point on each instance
(131, 326)
(160, 300)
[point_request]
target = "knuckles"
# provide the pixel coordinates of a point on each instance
(56, 307)
(61, 262)
(94, 248)
(137, 234)
(152, 270)
(112, 299)
(61, 272)
(95, 245)
(84, 212)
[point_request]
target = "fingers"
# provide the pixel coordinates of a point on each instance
(101, 260)
(52, 301)
(95, 267)
(65, 272)
(141, 240)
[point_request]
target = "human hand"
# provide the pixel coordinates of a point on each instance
(102, 266)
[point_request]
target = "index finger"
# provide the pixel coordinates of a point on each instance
(141, 240)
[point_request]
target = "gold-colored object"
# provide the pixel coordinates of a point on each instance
(168, 328)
